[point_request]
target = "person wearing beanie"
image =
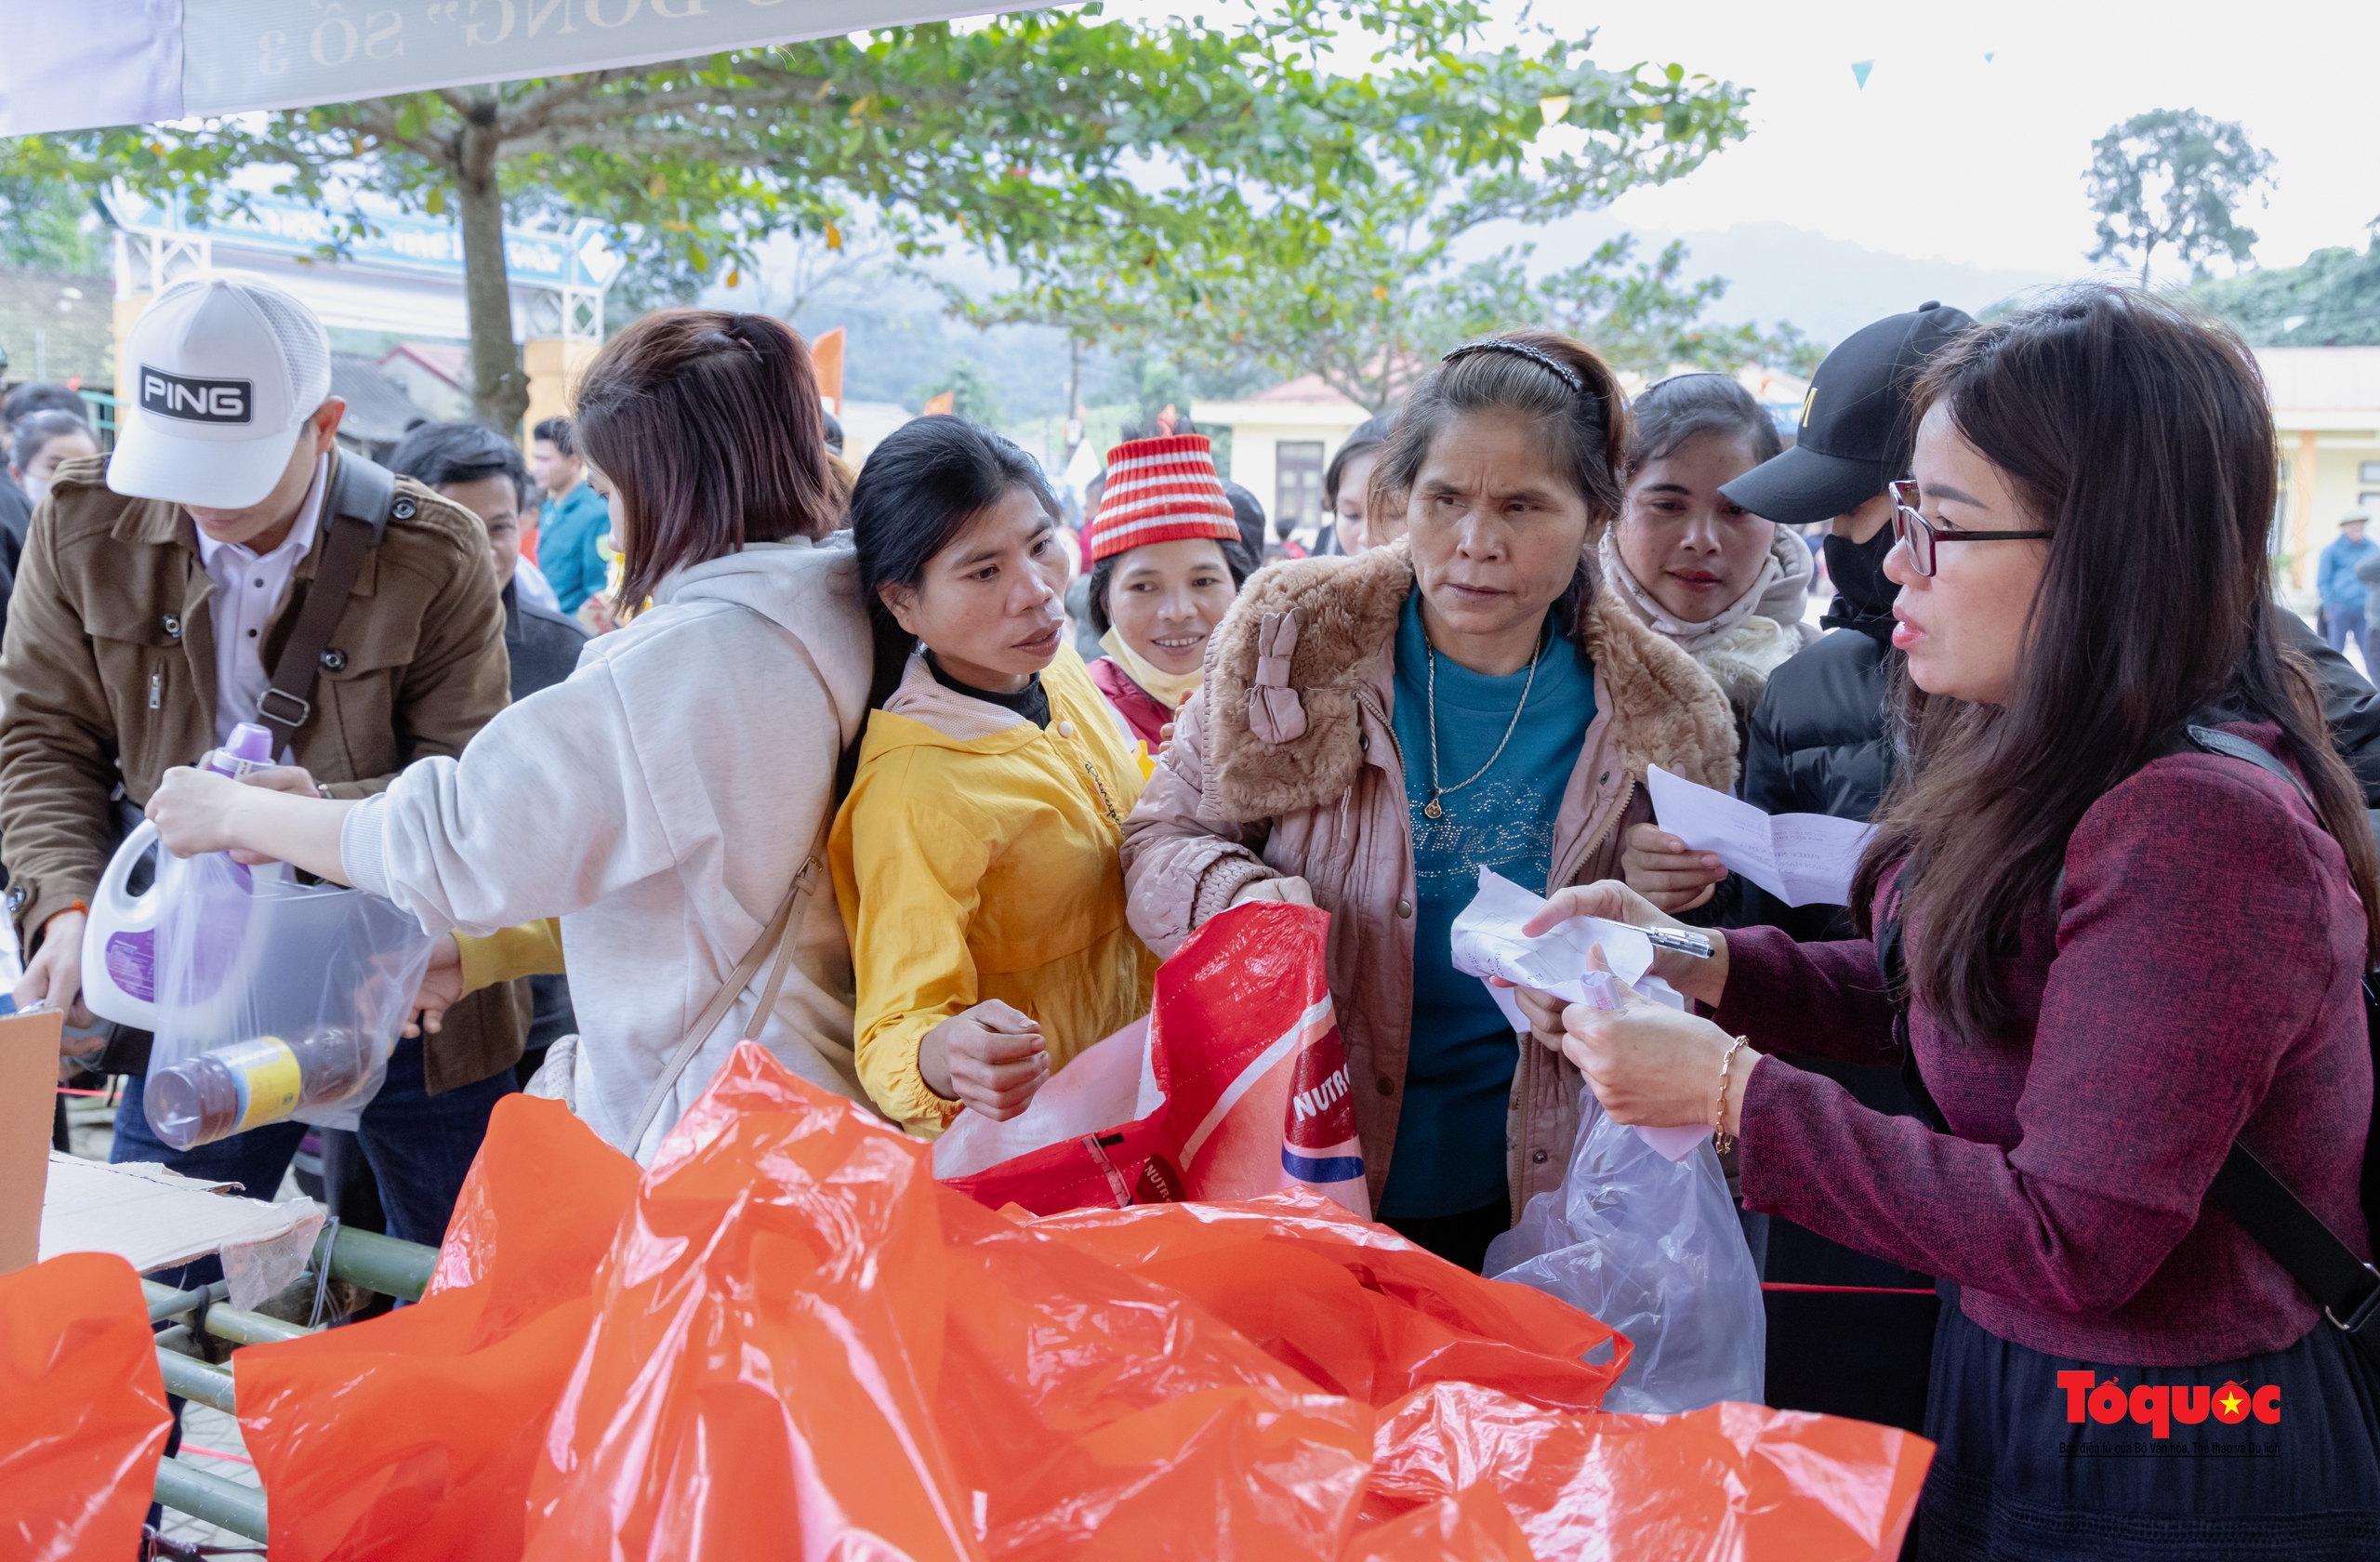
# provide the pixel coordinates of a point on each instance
(1167, 557)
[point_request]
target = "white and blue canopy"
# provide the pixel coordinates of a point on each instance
(104, 62)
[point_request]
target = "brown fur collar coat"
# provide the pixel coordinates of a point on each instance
(1664, 710)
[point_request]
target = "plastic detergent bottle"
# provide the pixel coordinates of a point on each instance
(237, 1088)
(120, 935)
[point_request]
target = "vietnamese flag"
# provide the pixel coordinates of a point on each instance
(2230, 1404)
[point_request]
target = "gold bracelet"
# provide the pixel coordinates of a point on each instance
(1721, 1140)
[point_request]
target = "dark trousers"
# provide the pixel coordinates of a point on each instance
(2343, 624)
(1461, 1240)
(419, 1146)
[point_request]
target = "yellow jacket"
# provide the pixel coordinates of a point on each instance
(977, 859)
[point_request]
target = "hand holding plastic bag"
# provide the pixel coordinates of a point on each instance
(1234, 1085)
(1651, 1247)
(1487, 941)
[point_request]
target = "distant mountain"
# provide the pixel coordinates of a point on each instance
(1829, 287)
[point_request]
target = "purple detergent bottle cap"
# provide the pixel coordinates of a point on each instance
(251, 742)
(251, 746)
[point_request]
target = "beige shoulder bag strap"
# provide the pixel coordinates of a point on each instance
(776, 936)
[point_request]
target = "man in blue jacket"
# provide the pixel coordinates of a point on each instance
(2343, 594)
(573, 518)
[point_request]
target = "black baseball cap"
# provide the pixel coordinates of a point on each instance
(1856, 431)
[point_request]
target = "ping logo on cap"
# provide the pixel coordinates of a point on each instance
(195, 400)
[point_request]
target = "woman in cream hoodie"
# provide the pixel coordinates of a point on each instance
(666, 799)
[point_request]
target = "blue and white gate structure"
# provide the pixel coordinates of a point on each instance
(405, 275)
(107, 62)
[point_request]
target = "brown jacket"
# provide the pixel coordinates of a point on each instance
(1226, 807)
(107, 679)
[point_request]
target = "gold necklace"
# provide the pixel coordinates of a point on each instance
(1432, 809)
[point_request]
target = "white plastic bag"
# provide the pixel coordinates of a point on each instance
(1651, 1247)
(301, 990)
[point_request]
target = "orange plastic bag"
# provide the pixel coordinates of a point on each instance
(805, 1346)
(760, 1378)
(1353, 1306)
(1471, 1526)
(798, 1343)
(1089, 1410)
(413, 1434)
(83, 1414)
(1717, 1484)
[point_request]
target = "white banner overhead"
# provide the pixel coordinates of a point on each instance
(104, 62)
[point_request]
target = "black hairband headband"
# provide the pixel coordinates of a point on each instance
(1561, 371)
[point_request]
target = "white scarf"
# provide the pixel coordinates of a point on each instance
(1689, 638)
(1169, 689)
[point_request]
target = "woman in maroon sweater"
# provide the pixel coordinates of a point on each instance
(2119, 959)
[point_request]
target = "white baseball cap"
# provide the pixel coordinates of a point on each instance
(224, 368)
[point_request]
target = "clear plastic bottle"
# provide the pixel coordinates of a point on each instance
(237, 1088)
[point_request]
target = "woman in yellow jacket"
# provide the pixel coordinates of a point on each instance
(975, 856)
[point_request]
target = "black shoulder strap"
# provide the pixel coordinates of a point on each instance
(2346, 1288)
(355, 514)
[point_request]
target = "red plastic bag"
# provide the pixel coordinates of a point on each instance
(413, 1434)
(82, 1410)
(1239, 1089)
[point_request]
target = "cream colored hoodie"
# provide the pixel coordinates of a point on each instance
(660, 801)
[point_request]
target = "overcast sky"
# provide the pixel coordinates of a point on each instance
(1946, 155)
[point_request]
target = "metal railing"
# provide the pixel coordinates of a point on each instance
(360, 1258)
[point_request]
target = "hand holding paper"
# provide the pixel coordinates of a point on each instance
(1487, 941)
(1800, 858)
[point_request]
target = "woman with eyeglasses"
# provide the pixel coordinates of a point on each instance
(2121, 883)
(1375, 730)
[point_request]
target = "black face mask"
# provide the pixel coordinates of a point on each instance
(1857, 571)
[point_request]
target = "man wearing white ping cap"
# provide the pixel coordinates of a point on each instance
(228, 563)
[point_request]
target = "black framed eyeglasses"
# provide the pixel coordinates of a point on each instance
(1918, 535)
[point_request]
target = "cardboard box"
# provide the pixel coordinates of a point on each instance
(28, 1099)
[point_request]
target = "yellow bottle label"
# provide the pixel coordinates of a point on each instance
(269, 1078)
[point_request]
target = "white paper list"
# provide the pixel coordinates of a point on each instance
(1803, 859)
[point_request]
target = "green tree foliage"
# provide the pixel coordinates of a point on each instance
(1371, 323)
(972, 395)
(2331, 300)
(2171, 178)
(41, 224)
(1018, 134)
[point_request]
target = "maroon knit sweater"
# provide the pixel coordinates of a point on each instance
(2198, 984)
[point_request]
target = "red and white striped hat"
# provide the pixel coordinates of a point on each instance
(1160, 490)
